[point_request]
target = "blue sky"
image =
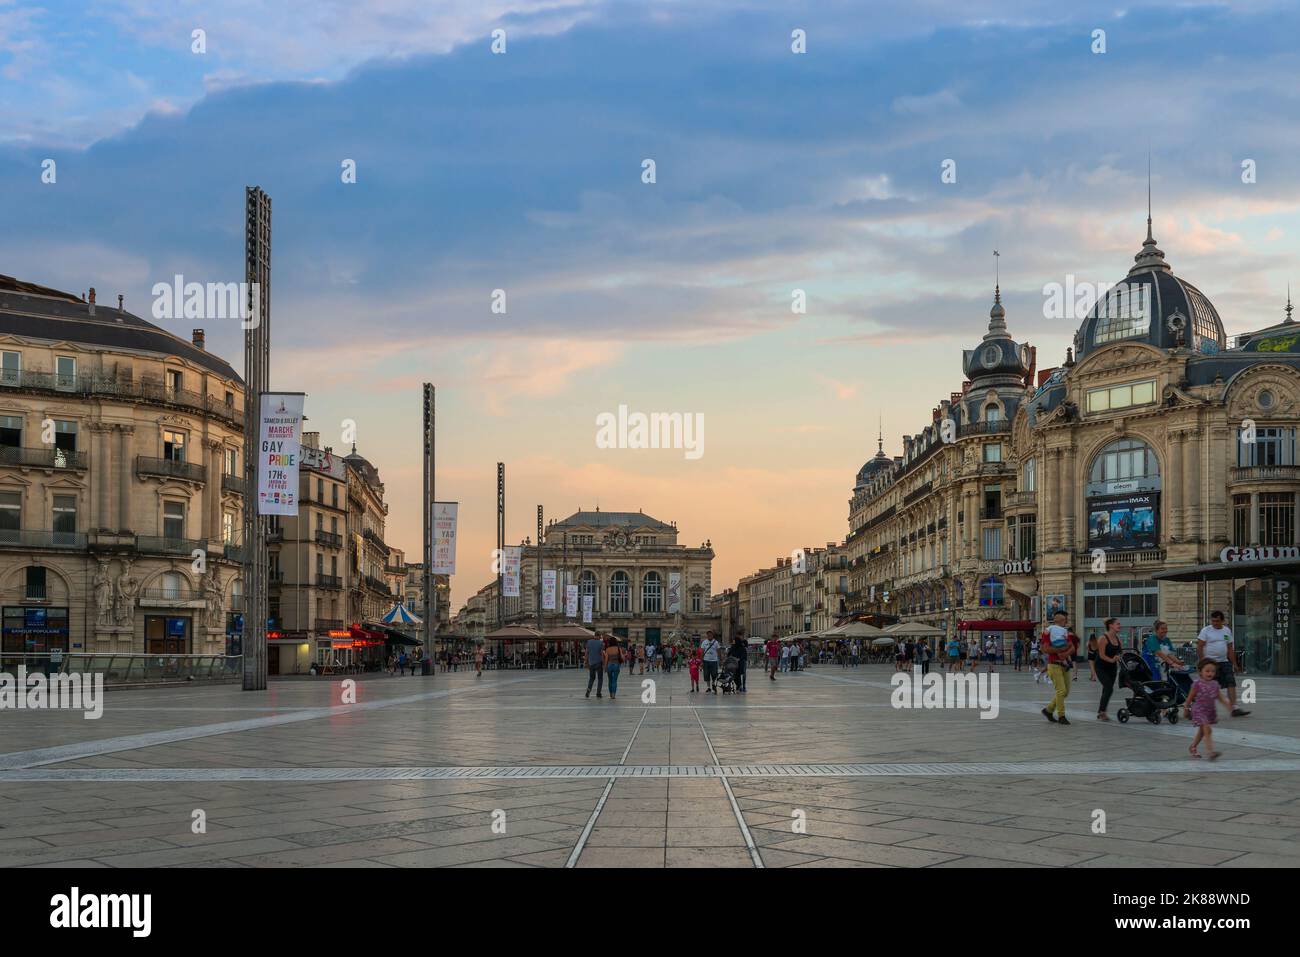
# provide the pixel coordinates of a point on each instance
(522, 171)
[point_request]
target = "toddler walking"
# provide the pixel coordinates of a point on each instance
(1200, 706)
(694, 665)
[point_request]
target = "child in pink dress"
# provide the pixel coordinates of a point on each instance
(1200, 706)
(694, 665)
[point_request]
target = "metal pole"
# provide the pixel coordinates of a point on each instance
(540, 626)
(430, 595)
(501, 547)
(257, 362)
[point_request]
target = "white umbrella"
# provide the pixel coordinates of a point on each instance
(400, 615)
(913, 629)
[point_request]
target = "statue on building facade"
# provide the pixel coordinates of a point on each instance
(103, 596)
(124, 598)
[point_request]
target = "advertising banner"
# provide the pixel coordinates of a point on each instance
(510, 570)
(444, 537)
(548, 589)
(1122, 522)
(587, 602)
(674, 592)
(279, 452)
(571, 601)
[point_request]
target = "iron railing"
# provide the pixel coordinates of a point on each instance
(145, 390)
(146, 465)
(41, 538)
(128, 667)
(48, 458)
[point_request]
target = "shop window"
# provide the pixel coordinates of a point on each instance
(992, 593)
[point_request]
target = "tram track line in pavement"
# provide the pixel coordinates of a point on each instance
(604, 796)
(731, 796)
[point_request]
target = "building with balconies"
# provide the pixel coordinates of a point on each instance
(121, 451)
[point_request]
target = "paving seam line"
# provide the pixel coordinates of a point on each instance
(604, 796)
(735, 808)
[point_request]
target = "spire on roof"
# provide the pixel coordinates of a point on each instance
(997, 315)
(1151, 256)
(1288, 304)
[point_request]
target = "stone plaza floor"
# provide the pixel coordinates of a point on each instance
(519, 769)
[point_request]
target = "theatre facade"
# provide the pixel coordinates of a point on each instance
(1152, 475)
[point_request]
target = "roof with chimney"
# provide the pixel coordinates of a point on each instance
(38, 312)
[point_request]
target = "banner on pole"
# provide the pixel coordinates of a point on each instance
(279, 452)
(548, 589)
(444, 537)
(587, 601)
(510, 571)
(674, 592)
(571, 601)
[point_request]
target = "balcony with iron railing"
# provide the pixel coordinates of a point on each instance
(1020, 500)
(143, 390)
(919, 492)
(329, 624)
(171, 468)
(328, 539)
(40, 538)
(1000, 427)
(45, 458)
(233, 483)
(1239, 475)
(328, 581)
(162, 545)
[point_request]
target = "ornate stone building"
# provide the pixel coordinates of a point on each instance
(1159, 446)
(644, 585)
(121, 491)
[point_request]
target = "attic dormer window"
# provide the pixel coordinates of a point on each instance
(1123, 313)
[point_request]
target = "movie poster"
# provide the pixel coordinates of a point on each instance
(1122, 522)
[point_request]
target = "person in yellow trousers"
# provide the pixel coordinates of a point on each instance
(1059, 645)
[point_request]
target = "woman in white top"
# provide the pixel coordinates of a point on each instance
(1215, 642)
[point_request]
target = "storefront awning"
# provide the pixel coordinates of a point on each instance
(1219, 571)
(995, 624)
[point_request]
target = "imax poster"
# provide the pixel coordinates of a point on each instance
(1117, 522)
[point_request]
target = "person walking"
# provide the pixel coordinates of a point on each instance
(973, 653)
(1017, 652)
(613, 661)
(694, 665)
(924, 655)
(954, 653)
(711, 653)
(595, 664)
(478, 660)
(773, 657)
(785, 656)
(991, 652)
(740, 651)
(1106, 664)
(1058, 645)
(1215, 642)
(1201, 706)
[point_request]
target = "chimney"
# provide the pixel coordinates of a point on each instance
(91, 310)
(1044, 375)
(197, 339)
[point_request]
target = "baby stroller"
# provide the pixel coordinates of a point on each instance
(1150, 697)
(727, 682)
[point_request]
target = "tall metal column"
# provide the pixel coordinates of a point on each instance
(430, 593)
(257, 370)
(501, 549)
(540, 626)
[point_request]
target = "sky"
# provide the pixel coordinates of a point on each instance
(524, 171)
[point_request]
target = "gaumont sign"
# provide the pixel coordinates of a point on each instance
(1024, 566)
(1267, 553)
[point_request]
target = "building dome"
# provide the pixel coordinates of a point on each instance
(997, 354)
(874, 465)
(1154, 306)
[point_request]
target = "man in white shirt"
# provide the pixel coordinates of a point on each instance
(711, 654)
(1215, 642)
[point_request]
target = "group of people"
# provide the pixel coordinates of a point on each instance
(606, 656)
(1215, 681)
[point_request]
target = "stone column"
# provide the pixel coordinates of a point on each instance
(124, 435)
(1058, 504)
(1173, 485)
(214, 491)
(1072, 484)
(103, 468)
(1191, 447)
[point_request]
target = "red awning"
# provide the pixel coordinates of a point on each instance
(996, 624)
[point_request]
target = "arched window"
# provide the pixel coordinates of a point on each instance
(1029, 476)
(173, 585)
(587, 586)
(992, 413)
(618, 592)
(1125, 460)
(960, 592)
(652, 593)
